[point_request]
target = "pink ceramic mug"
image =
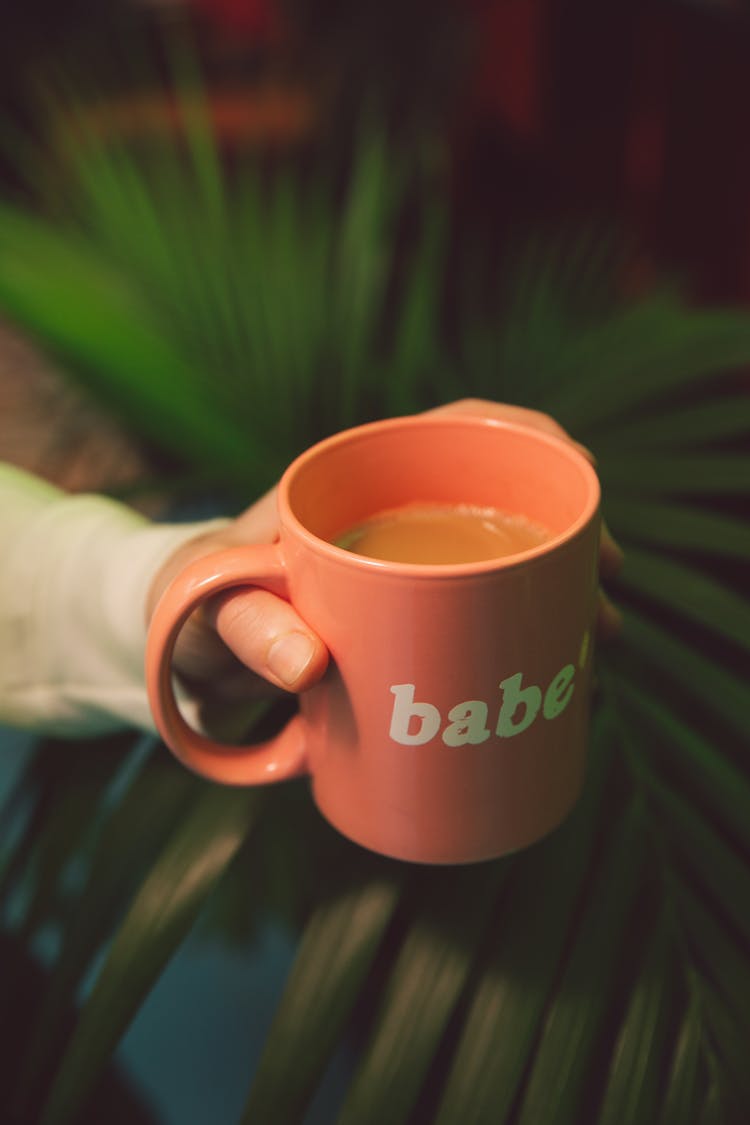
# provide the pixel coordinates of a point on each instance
(451, 724)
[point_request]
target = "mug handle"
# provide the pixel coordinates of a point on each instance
(281, 757)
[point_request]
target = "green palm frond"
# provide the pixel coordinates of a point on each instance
(598, 976)
(229, 320)
(163, 911)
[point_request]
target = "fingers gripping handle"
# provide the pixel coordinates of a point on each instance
(282, 756)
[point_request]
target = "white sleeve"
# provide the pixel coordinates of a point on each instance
(74, 576)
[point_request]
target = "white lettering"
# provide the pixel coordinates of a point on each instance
(529, 698)
(557, 696)
(404, 710)
(468, 724)
(414, 724)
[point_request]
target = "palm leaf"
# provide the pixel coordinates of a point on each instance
(709, 421)
(358, 304)
(61, 799)
(157, 797)
(682, 1095)
(689, 756)
(411, 364)
(669, 474)
(689, 592)
(675, 525)
(652, 649)
(598, 976)
(564, 1058)
(56, 286)
(633, 1091)
(426, 979)
(162, 913)
(650, 349)
(320, 993)
(519, 968)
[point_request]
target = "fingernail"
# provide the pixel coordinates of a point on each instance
(289, 656)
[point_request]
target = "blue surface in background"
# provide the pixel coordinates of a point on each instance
(195, 1042)
(194, 1045)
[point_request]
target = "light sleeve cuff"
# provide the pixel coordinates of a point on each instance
(74, 578)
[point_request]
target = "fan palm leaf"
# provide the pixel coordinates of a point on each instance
(597, 976)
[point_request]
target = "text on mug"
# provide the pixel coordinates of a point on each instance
(413, 723)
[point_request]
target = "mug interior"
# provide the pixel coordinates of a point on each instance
(484, 463)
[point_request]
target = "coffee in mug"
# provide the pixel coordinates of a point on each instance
(440, 534)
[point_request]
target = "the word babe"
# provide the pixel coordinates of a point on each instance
(414, 723)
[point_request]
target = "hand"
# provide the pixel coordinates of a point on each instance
(247, 643)
(609, 618)
(241, 645)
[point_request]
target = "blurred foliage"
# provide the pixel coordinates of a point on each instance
(229, 320)
(234, 315)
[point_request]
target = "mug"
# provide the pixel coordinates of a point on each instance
(451, 724)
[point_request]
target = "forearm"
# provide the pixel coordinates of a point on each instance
(74, 577)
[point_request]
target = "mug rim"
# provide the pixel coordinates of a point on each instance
(386, 567)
